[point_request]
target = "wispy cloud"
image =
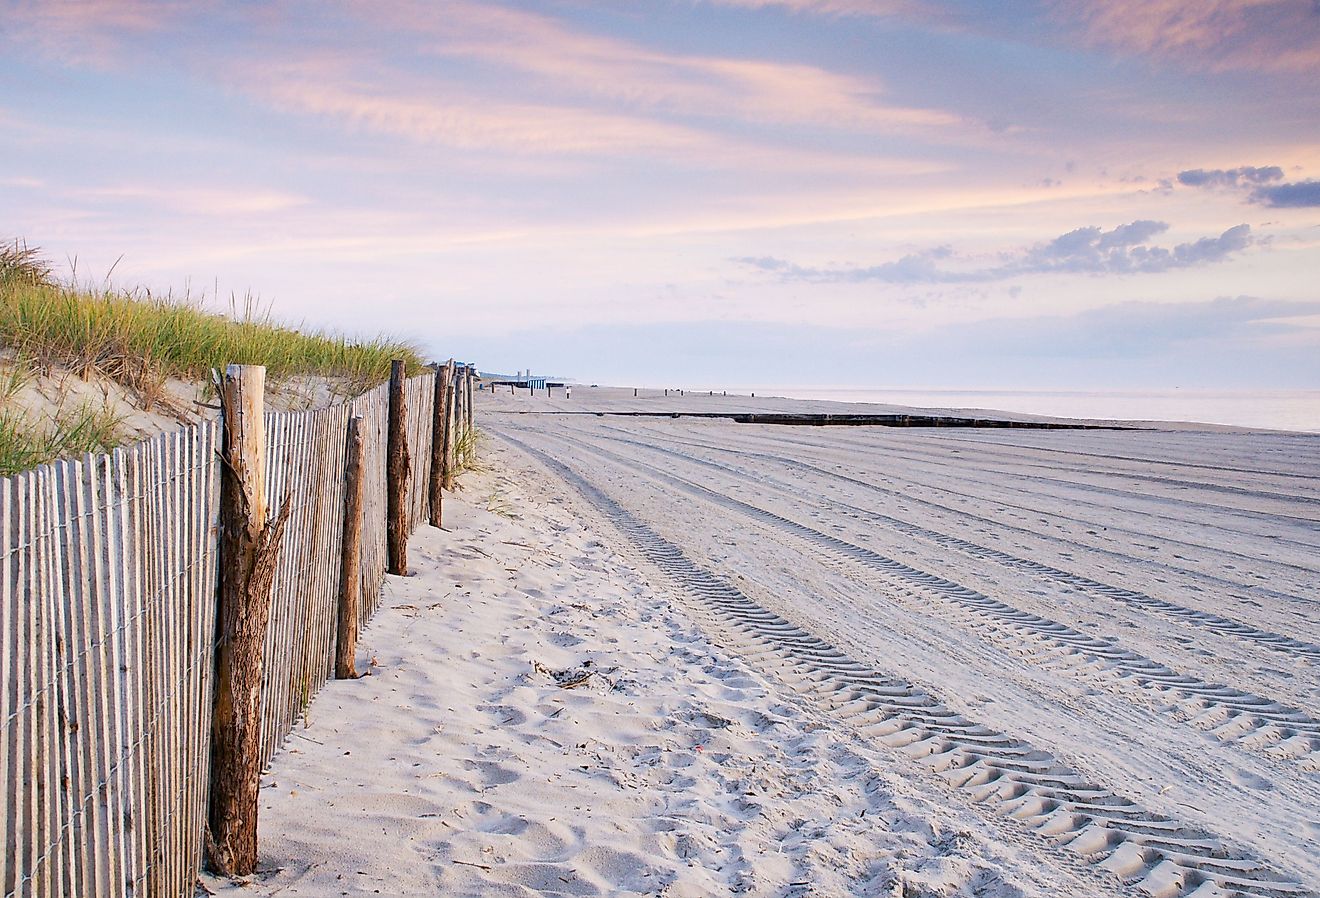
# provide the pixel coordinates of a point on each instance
(1214, 35)
(1125, 249)
(89, 32)
(469, 122)
(572, 62)
(486, 77)
(192, 200)
(834, 7)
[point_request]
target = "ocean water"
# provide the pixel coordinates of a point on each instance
(1274, 409)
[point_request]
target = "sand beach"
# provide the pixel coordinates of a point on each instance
(686, 656)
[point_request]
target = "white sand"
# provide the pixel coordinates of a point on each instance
(830, 661)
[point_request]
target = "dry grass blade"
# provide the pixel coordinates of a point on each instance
(23, 264)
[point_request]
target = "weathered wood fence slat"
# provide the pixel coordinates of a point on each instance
(109, 566)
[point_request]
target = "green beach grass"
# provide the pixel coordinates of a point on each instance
(139, 340)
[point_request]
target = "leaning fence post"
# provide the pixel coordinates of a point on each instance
(396, 473)
(249, 548)
(350, 559)
(439, 424)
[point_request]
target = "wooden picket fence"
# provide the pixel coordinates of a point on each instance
(108, 574)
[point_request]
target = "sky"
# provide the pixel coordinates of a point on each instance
(708, 193)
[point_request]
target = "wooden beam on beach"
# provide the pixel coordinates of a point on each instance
(439, 424)
(397, 471)
(350, 558)
(249, 547)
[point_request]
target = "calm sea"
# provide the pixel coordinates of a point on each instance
(1274, 409)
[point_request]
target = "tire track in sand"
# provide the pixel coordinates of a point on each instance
(1028, 532)
(1224, 626)
(1230, 714)
(1150, 852)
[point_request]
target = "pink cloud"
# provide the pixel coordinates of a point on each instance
(208, 201)
(89, 32)
(445, 115)
(1217, 35)
(479, 124)
(598, 69)
(833, 7)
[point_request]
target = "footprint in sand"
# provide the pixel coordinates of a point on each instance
(492, 774)
(1245, 779)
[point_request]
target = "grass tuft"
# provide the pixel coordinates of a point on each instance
(85, 429)
(22, 264)
(465, 451)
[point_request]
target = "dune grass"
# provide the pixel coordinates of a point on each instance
(132, 336)
(465, 451)
(24, 444)
(85, 429)
(139, 340)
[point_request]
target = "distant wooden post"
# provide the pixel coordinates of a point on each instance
(350, 563)
(439, 424)
(460, 416)
(468, 408)
(396, 473)
(466, 387)
(249, 547)
(451, 424)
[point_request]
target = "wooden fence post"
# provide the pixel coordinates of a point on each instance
(396, 472)
(249, 548)
(439, 426)
(460, 412)
(467, 408)
(350, 564)
(451, 424)
(462, 415)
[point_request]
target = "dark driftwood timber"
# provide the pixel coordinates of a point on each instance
(350, 564)
(439, 425)
(249, 547)
(397, 472)
(850, 420)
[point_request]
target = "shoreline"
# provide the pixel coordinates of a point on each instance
(621, 400)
